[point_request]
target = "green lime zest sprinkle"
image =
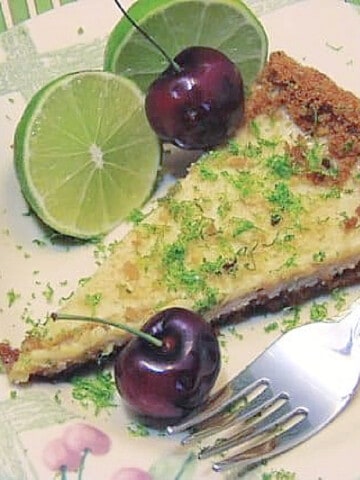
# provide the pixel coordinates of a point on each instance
(207, 173)
(138, 430)
(209, 300)
(280, 165)
(234, 147)
(48, 293)
(244, 181)
(271, 327)
(279, 475)
(319, 256)
(12, 296)
(348, 146)
(255, 129)
(93, 300)
(83, 281)
(333, 192)
(318, 311)
(242, 225)
(136, 216)
(98, 391)
(13, 394)
(290, 262)
(292, 321)
(339, 297)
(284, 198)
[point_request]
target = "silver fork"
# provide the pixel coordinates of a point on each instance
(286, 395)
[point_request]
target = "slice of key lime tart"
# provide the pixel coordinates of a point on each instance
(267, 222)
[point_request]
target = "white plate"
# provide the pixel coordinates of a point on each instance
(36, 274)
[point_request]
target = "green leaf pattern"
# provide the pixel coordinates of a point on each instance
(30, 411)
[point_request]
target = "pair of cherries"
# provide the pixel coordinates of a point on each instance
(196, 103)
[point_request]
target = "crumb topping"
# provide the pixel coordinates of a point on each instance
(325, 112)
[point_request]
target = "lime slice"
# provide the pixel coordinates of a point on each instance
(85, 154)
(227, 25)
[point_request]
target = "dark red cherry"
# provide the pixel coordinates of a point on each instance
(163, 384)
(200, 104)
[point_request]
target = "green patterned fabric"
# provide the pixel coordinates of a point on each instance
(13, 12)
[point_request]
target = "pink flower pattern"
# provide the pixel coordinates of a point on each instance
(68, 452)
(57, 456)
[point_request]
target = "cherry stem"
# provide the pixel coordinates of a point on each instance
(134, 331)
(149, 38)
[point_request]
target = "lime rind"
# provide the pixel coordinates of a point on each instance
(85, 155)
(228, 25)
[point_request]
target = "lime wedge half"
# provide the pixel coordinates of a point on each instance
(227, 25)
(84, 153)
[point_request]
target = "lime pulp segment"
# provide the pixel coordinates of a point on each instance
(227, 25)
(85, 154)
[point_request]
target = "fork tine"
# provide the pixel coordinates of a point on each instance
(220, 401)
(259, 444)
(250, 424)
(248, 415)
(211, 426)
